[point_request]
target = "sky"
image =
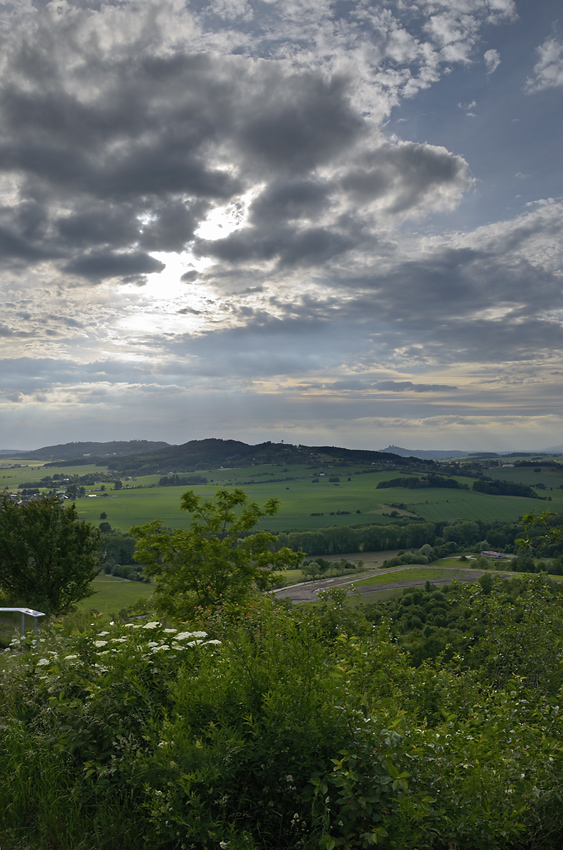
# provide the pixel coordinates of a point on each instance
(329, 223)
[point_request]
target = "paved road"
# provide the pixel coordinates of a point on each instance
(307, 591)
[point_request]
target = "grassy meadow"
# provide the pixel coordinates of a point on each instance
(309, 499)
(111, 594)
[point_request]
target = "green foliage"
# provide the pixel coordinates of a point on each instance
(522, 635)
(76, 712)
(504, 488)
(48, 557)
(523, 563)
(216, 560)
(487, 583)
(181, 480)
(416, 483)
(261, 732)
(541, 530)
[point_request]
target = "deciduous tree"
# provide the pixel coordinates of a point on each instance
(48, 557)
(216, 559)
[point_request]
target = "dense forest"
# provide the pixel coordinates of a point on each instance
(470, 534)
(504, 488)
(416, 483)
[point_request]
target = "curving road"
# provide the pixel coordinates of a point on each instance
(307, 591)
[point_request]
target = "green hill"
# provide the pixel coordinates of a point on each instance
(214, 454)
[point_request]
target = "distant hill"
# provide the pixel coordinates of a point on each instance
(93, 451)
(214, 453)
(424, 454)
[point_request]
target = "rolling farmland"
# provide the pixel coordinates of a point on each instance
(309, 498)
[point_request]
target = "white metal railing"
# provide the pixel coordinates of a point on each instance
(30, 613)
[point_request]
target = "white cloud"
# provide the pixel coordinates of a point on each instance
(548, 71)
(492, 60)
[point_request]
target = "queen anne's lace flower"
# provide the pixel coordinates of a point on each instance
(186, 635)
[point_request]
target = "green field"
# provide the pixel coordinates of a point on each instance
(547, 476)
(112, 594)
(413, 574)
(300, 499)
(353, 500)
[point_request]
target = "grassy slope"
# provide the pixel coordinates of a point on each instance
(113, 594)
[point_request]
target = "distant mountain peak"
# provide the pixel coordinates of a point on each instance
(424, 454)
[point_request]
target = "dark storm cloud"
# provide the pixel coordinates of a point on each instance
(23, 234)
(404, 175)
(301, 122)
(98, 266)
(145, 127)
(14, 247)
(172, 226)
(128, 146)
(106, 225)
(287, 200)
(289, 247)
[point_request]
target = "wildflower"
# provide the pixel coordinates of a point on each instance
(186, 635)
(70, 657)
(154, 625)
(43, 661)
(215, 642)
(170, 631)
(103, 633)
(100, 643)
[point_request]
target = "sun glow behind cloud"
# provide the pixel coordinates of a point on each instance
(224, 220)
(168, 303)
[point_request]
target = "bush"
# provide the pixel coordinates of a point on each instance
(264, 729)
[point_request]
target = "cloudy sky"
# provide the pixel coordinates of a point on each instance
(322, 221)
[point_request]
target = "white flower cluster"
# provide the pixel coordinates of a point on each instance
(113, 641)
